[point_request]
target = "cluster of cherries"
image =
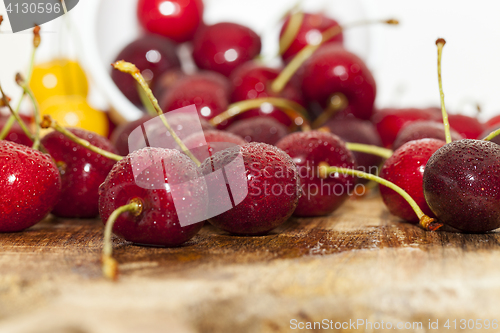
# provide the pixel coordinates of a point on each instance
(434, 176)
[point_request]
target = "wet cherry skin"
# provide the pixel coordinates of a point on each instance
(273, 188)
(158, 224)
(310, 30)
(30, 186)
(308, 150)
(175, 19)
(222, 47)
(259, 129)
(462, 185)
(423, 129)
(333, 69)
(405, 168)
(82, 172)
(153, 55)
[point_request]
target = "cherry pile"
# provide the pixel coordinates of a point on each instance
(269, 143)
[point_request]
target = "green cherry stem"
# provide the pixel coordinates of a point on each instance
(15, 115)
(131, 69)
(48, 122)
(369, 149)
(440, 44)
(492, 135)
(109, 265)
(291, 31)
(426, 222)
(36, 110)
(36, 42)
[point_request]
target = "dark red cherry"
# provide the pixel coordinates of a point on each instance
(308, 150)
(253, 80)
(423, 129)
(175, 19)
(405, 168)
(468, 127)
(82, 172)
(358, 131)
(206, 143)
(30, 186)
(332, 69)
(158, 224)
(208, 91)
(313, 25)
(16, 133)
(166, 81)
(153, 55)
(265, 195)
(120, 135)
(390, 121)
(259, 129)
(224, 46)
(462, 185)
(487, 132)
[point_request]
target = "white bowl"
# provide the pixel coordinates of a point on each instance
(112, 24)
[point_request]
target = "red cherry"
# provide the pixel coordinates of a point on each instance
(390, 121)
(205, 144)
(405, 168)
(309, 149)
(158, 223)
(332, 69)
(175, 19)
(313, 25)
(423, 129)
(166, 81)
(493, 121)
(259, 129)
(16, 133)
(273, 188)
(252, 80)
(120, 135)
(82, 172)
(487, 132)
(30, 186)
(462, 185)
(468, 127)
(153, 55)
(224, 46)
(208, 91)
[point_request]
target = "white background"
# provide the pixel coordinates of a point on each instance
(403, 59)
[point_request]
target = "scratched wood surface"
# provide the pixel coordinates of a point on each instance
(359, 263)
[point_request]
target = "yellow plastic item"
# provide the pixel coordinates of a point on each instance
(74, 111)
(59, 77)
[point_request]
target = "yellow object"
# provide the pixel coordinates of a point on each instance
(74, 111)
(59, 77)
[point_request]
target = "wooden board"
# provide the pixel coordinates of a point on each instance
(359, 263)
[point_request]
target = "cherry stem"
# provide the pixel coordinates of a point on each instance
(48, 122)
(8, 125)
(286, 74)
(492, 135)
(36, 110)
(292, 109)
(291, 30)
(426, 222)
(65, 10)
(440, 43)
(109, 265)
(145, 101)
(131, 69)
(369, 149)
(338, 102)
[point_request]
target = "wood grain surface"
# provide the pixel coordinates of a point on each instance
(359, 263)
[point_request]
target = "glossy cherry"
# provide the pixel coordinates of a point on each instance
(259, 129)
(253, 80)
(16, 133)
(358, 131)
(207, 143)
(158, 223)
(332, 69)
(309, 149)
(208, 91)
(468, 127)
(153, 55)
(224, 46)
(390, 121)
(313, 25)
(175, 19)
(273, 186)
(82, 172)
(405, 168)
(30, 186)
(462, 185)
(120, 135)
(423, 129)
